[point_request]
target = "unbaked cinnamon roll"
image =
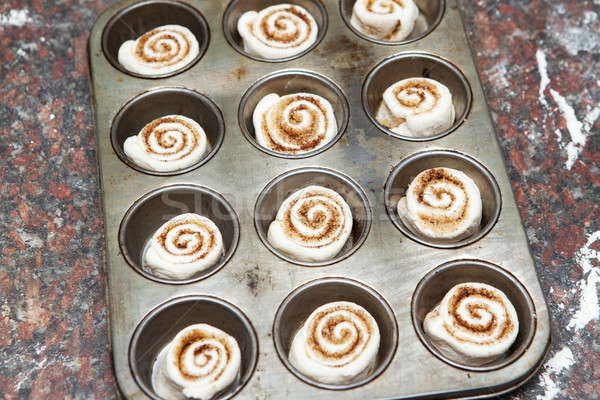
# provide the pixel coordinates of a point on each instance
(167, 144)
(474, 324)
(389, 20)
(442, 204)
(294, 123)
(200, 362)
(183, 246)
(162, 50)
(416, 107)
(312, 224)
(337, 344)
(278, 31)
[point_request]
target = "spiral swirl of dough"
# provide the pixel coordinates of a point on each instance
(313, 224)
(295, 123)
(416, 107)
(442, 204)
(199, 362)
(389, 20)
(162, 50)
(337, 343)
(183, 246)
(167, 144)
(278, 31)
(475, 323)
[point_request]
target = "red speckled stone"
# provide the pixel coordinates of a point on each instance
(53, 321)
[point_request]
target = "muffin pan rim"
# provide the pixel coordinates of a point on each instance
(391, 209)
(202, 275)
(341, 131)
(458, 120)
(239, 48)
(479, 263)
(427, 32)
(203, 43)
(312, 169)
(154, 311)
(377, 372)
(206, 157)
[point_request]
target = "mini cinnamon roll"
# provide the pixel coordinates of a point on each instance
(184, 246)
(337, 344)
(474, 324)
(278, 31)
(198, 363)
(442, 204)
(389, 20)
(417, 107)
(162, 50)
(294, 123)
(312, 224)
(167, 144)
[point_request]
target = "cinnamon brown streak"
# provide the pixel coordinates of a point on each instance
(353, 342)
(299, 139)
(390, 6)
(334, 221)
(164, 52)
(197, 336)
(153, 129)
(434, 176)
(418, 88)
(466, 292)
(162, 238)
(278, 36)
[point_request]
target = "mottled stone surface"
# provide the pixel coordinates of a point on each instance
(539, 64)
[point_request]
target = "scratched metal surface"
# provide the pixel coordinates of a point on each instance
(255, 279)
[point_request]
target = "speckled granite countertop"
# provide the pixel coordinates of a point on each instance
(539, 63)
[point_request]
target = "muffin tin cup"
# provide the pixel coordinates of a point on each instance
(403, 174)
(155, 208)
(281, 187)
(352, 73)
(135, 20)
(156, 103)
(163, 323)
(436, 283)
(431, 13)
(290, 82)
(302, 301)
(238, 7)
(416, 65)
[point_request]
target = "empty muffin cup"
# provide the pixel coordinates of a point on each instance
(238, 7)
(280, 188)
(430, 15)
(290, 82)
(161, 102)
(133, 21)
(302, 301)
(155, 208)
(161, 325)
(416, 65)
(403, 174)
(436, 283)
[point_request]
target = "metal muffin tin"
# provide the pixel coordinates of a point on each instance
(259, 296)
